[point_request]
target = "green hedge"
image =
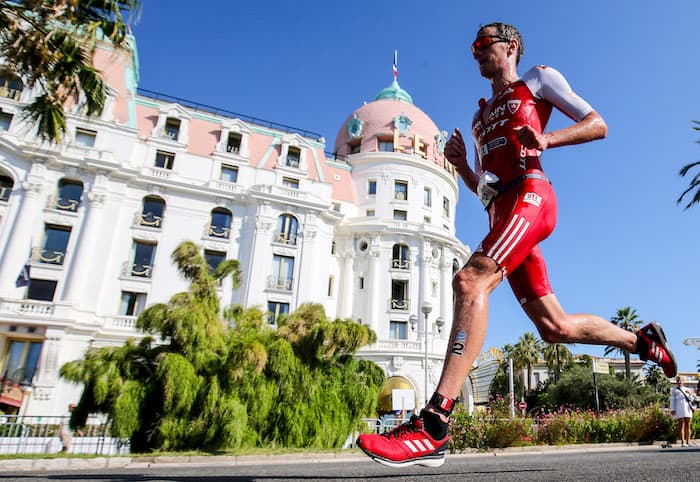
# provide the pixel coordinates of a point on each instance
(492, 429)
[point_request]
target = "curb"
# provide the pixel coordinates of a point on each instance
(351, 455)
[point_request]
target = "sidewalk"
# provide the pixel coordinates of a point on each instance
(348, 455)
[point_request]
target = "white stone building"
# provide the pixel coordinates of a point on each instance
(368, 231)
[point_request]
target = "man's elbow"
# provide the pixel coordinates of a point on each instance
(598, 127)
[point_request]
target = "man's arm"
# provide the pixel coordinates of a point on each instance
(456, 153)
(590, 128)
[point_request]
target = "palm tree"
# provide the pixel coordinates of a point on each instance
(655, 377)
(556, 355)
(627, 319)
(526, 353)
(49, 45)
(694, 182)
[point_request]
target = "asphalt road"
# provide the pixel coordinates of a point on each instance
(633, 464)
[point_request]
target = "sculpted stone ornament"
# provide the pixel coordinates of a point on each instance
(402, 124)
(355, 127)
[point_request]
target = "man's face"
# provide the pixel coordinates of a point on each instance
(489, 51)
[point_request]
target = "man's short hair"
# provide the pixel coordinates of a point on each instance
(509, 32)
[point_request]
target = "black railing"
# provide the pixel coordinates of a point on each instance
(227, 113)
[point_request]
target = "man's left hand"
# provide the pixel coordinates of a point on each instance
(531, 139)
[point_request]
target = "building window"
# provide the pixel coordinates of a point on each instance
(55, 244)
(229, 173)
(427, 219)
(172, 128)
(386, 145)
(132, 304)
(41, 289)
(142, 256)
(165, 160)
(330, 285)
(427, 197)
(282, 273)
(290, 183)
(69, 194)
(152, 212)
(6, 185)
(401, 190)
(333, 247)
(370, 213)
(361, 282)
(400, 215)
(220, 223)
(10, 86)
(5, 121)
(445, 207)
(355, 147)
(293, 157)
(287, 227)
(214, 258)
(372, 187)
(276, 309)
(21, 358)
(233, 143)
(85, 137)
(399, 295)
(398, 330)
(400, 257)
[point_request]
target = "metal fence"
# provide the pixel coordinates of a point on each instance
(21, 434)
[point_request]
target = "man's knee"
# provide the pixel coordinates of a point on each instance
(480, 275)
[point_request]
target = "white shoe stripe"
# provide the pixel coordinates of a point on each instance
(420, 446)
(428, 444)
(409, 444)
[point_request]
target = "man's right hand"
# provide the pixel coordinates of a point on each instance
(455, 151)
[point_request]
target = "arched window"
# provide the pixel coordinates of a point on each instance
(152, 212)
(10, 85)
(220, 223)
(69, 194)
(287, 227)
(400, 257)
(6, 185)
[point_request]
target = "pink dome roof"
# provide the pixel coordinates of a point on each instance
(378, 119)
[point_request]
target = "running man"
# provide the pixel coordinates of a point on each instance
(509, 137)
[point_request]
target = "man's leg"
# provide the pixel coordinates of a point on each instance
(556, 326)
(423, 440)
(472, 287)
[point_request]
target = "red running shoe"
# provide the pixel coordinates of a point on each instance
(656, 348)
(407, 444)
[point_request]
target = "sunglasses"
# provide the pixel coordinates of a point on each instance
(486, 41)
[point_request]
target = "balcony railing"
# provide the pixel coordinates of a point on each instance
(400, 304)
(64, 204)
(5, 193)
(27, 307)
(233, 149)
(148, 219)
(121, 322)
(218, 231)
(13, 94)
(137, 269)
(293, 162)
(48, 256)
(286, 238)
(277, 283)
(401, 264)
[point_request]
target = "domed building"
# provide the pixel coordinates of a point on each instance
(87, 227)
(399, 251)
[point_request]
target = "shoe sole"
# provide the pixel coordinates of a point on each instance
(662, 339)
(437, 461)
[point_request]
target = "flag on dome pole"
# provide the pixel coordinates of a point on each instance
(396, 61)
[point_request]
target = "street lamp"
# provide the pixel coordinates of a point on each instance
(426, 308)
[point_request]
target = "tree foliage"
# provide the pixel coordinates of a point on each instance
(694, 184)
(197, 382)
(49, 45)
(627, 319)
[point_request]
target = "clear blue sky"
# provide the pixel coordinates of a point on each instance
(621, 239)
